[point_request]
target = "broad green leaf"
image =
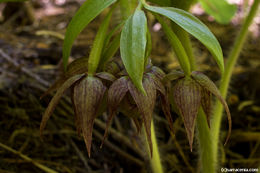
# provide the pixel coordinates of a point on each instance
(193, 26)
(98, 44)
(133, 45)
(86, 13)
(221, 10)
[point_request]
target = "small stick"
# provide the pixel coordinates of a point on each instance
(119, 151)
(42, 167)
(81, 156)
(23, 69)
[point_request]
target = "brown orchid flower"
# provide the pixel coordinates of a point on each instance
(124, 95)
(88, 92)
(189, 93)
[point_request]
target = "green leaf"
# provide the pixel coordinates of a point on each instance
(133, 46)
(110, 51)
(221, 10)
(98, 44)
(177, 46)
(113, 32)
(193, 26)
(86, 13)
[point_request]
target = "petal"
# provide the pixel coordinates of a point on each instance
(145, 103)
(57, 84)
(114, 66)
(88, 94)
(187, 97)
(116, 93)
(174, 75)
(78, 66)
(157, 72)
(164, 100)
(206, 104)
(106, 76)
(78, 119)
(138, 124)
(55, 100)
(207, 84)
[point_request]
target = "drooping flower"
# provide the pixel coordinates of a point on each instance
(88, 92)
(124, 95)
(191, 92)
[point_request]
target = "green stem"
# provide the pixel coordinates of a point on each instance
(177, 46)
(205, 144)
(185, 40)
(155, 160)
(232, 59)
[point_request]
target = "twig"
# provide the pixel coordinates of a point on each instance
(42, 167)
(23, 69)
(81, 156)
(184, 158)
(119, 151)
(119, 137)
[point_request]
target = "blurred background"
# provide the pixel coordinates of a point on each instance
(31, 38)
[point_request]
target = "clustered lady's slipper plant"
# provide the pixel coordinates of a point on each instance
(132, 84)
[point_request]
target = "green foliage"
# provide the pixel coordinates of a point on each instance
(87, 12)
(221, 10)
(177, 47)
(133, 46)
(98, 44)
(193, 26)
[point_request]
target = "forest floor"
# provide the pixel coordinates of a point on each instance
(30, 58)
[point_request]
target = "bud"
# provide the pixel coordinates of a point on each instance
(87, 96)
(187, 97)
(189, 93)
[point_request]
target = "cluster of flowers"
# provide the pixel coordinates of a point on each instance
(113, 90)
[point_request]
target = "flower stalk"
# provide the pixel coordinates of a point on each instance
(208, 148)
(155, 160)
(232, 59)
